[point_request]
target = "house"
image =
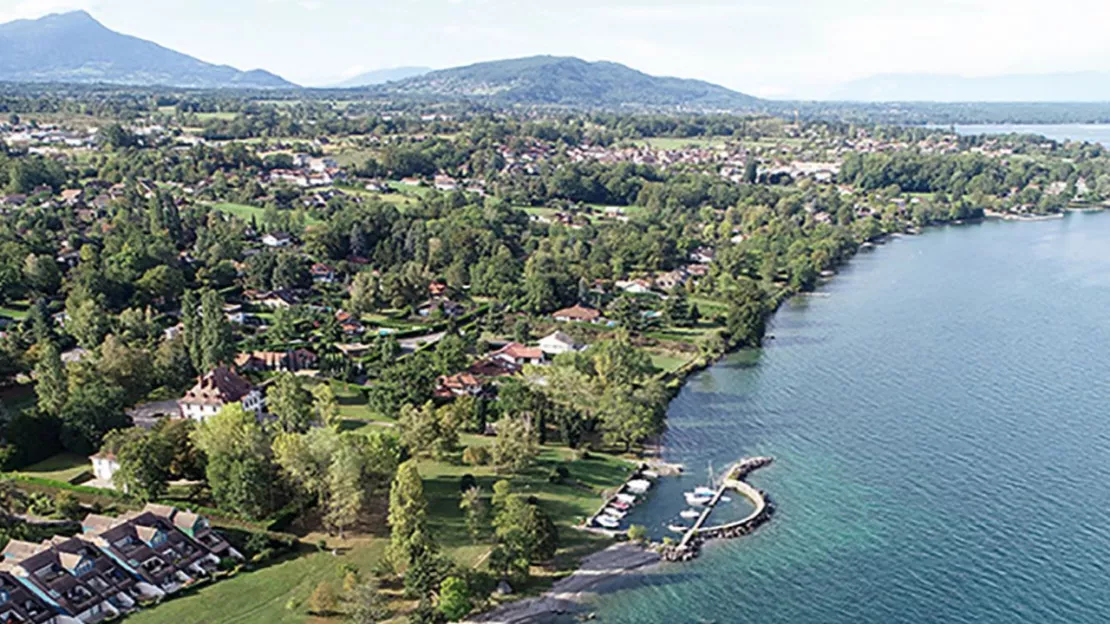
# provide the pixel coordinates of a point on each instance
(81, 580)
(155, 550)
(14, 200)
(558, 343)
(577, 313)
(295, 360)
(322, 273)
(449, 308)
(277, 299)
(519, 354)
(445, 183)
(104, 465)
(234, 313)
(277, 239)
(72, 196)
(437, 289)
(173, 332)
(461, 384)
(74, 355)
(702, 255)
(670, 280)
(220, 387)
(19, 603)
(197, 528)
(490, 367)
(634, 287)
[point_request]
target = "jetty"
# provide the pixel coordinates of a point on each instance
(690, 545)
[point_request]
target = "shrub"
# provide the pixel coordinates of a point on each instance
(558, 474)
(466, 482)
(637, 533)
(475, 456)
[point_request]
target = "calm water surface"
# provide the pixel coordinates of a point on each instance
(941, 424)
(1092, 133)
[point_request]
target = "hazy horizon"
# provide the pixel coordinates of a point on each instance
(785, 49)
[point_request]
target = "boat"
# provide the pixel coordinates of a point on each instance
(725, 499)
(697, 500)
(650, 474)
(627, 499)
(690, 514)
(609, 522)
(616, 513)
(639, 486)
(702, 490)
(621, 506)
(677, 528)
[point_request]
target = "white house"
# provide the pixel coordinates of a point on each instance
(218, 388)
(558, 342)
(104, 466)
(277, 239)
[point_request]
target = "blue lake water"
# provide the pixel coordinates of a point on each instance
(939, 419)
(1092, 133)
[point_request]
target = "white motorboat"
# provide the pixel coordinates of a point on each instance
(691, 514)
(609, 522)
(697, 500)
(702, 490)
(650, 474)
(639, 486)
(616, 513)
(678, 528)
(627, 499)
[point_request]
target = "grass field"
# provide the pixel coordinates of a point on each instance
(263, 596)
(61, 467)
(670, 361)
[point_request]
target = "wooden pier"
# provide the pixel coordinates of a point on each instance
(690, 545)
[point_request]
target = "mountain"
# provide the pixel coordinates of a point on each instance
(1059, 87)
(382, 76)
(567, 81)
(74, 47)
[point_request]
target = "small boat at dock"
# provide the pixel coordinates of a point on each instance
(697, 500)
(677, 528)
(609, 522)
(627, 499)
(620, 506)
(690, 514)
(616, 513)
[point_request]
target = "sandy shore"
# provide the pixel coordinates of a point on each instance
(566, 594)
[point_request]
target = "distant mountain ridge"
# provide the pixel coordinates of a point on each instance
(75, 48)
(382, 76)
(1057, 87)
(567, 81)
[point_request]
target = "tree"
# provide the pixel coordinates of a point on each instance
(324, 405)
(129, 368)
(419, 428)
(290, 404)
(239, 469)
(364, 294)
(50, 379)
(42, 274)
(366, 604)
(346, 488)
(144, 462)
(408, 510)
(91, 410)
(515, 447)
(454, 598)
(216, 343)
(477, 515)
(323, 601)
(88, 322)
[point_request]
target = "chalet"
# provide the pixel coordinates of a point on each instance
(577, 314)
(697, 270)
(490, 367)
(411, 181)
(461, 384)
(350, 323)
(445, 183)
(277, 239)
(354, 351)
(277, 299)
(292, 361)
(220, 387)
(322, 273)
(519, 354)
(558, 343)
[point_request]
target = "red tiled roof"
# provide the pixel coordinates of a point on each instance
(219, 387)
(517, 351)
(578, 312)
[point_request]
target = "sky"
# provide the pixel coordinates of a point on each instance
(768, 48)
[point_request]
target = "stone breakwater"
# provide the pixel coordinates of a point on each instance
(690, 546)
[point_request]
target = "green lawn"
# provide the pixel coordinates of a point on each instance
(14, 310)
(670, 361)
(61, 467)
(262, 596)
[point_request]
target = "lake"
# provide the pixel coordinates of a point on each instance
(939, 418)
(1092, 133)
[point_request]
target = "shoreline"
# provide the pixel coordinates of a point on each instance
(623, 558)
(567, 594)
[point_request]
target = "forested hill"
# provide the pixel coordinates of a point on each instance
(568, 81)
(75, 48)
